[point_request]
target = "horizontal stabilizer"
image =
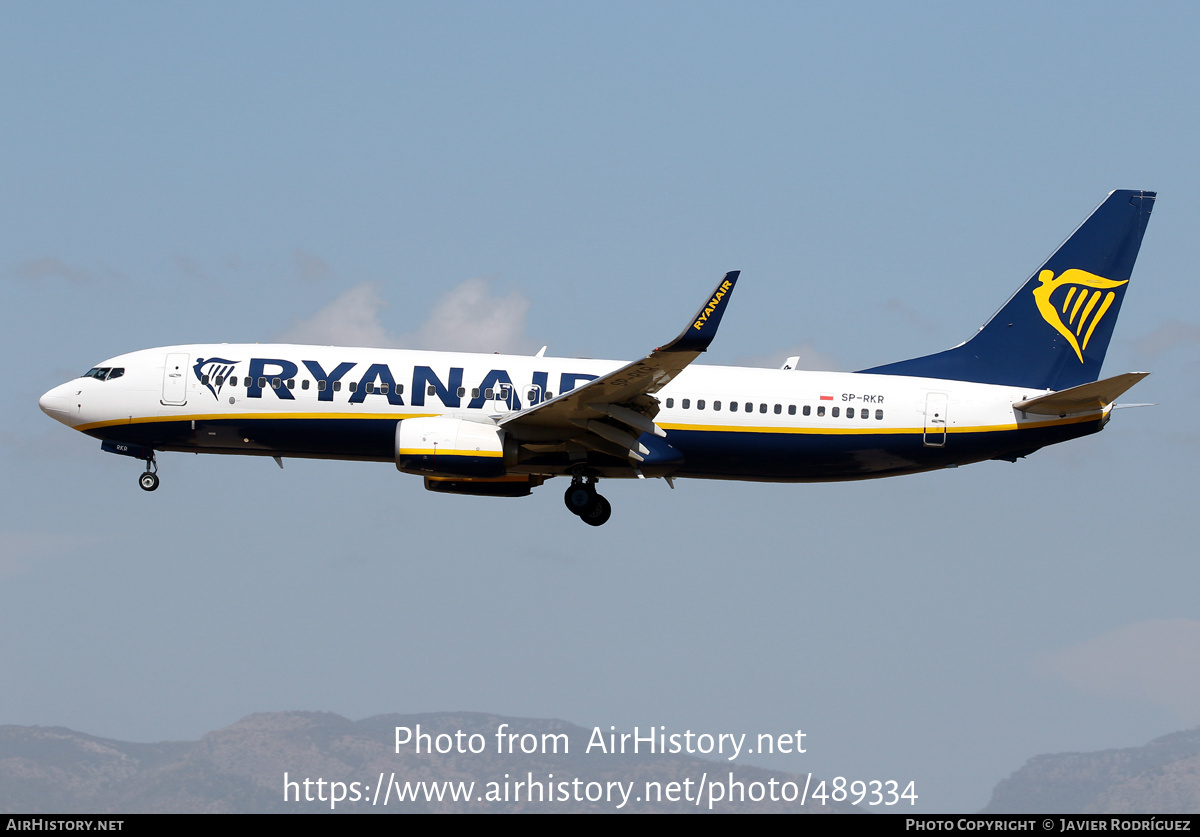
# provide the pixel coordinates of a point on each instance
(1086, 398)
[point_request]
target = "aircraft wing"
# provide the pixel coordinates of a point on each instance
(1084, 398)
(609, 413)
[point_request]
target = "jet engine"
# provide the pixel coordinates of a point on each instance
(451, 447)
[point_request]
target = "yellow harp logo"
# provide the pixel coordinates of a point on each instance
(1085, 297)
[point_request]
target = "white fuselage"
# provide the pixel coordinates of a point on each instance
(725, 422)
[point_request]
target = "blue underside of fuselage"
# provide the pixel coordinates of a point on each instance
(765, 456)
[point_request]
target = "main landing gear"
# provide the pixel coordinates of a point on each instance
(149, 480)
(583, 501)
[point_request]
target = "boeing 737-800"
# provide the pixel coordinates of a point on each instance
(501, 425)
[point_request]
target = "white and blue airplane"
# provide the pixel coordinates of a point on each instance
(501, 425)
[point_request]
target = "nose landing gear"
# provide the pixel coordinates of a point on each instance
(582, 501)
(149, 480)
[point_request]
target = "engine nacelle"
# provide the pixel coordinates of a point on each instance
(518, 485)
(443, 446)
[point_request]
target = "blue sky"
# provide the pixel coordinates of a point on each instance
(575, 175)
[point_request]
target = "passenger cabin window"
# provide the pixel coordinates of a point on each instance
(291, 383)
(700, 404)
(821, 410)
(762, 408)
(370, 388)
(354, 386)
(304, 384)
(431, 390)
(778, 409)
(716, 405)
(320, 386)
(807, 410)
(849, 412)
(337, 386)
(687, 403)
(262, 383)
(834, 411)
(733, 406)
(461, 391)
(879, 415)
(670, 402)
(791, 409)
(383, 388)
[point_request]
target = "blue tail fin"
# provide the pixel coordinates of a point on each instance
(1055, 330)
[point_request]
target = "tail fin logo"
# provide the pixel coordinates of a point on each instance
(1086, 301)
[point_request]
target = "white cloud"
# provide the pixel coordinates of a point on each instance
(469, 318)
(350, 320)
(1157, 662)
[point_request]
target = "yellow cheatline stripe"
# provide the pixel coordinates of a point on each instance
(446, 452)
(874, 430)
(879, 431)
(250, 417)
(741, 428)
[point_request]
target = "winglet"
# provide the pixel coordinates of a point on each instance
(703, 327)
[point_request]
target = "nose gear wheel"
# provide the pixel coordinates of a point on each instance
(148, 481)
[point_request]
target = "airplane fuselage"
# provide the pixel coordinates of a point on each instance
(721, 422)
(501, 425)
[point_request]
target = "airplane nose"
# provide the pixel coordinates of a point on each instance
(56, 404)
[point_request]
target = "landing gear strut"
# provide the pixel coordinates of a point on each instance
(149, 480)
(583, 501)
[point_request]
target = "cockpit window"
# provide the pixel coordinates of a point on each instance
(105, 373)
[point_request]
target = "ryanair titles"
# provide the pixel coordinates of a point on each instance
(283, 378)
(712, 304)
